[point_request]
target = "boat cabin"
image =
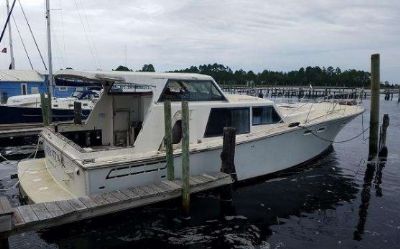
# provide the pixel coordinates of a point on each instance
(129, 113)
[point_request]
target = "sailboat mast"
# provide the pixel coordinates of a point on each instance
(12, 65)
(51, 83)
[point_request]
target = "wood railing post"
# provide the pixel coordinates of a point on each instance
(374, 116)
(168, 141)
(185, 159)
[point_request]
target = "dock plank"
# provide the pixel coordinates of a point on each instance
(121, 196)
(148, 190)
(212, 178)
(131, 194)
(99, 200)
(88, 202)
(65, 206)
(17, 217)
(172, 185)
(76, 204)
(203, 178)
(41, 211)
(157, 190)
(27, 214)
(138, 191)
(54, 209)
(5, 206)
(162, 188)
(109, 197)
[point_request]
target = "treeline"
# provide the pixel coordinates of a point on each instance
(315, 76)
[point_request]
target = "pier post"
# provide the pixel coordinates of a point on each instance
(77, 112)
(398, 100)
(185, 159)
(228, 161)
(374, 116)
(44, 105)
(383, 132)
(168, 141)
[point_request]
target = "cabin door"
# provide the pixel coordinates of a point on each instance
(121, 127)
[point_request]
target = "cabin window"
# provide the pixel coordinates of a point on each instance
(219, 118)
(128, 88)
(191, 90)
(265, 115)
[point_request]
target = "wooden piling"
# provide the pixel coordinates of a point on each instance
(227, 163)
(77, 112)
(43, 104)
(168, 141)
(374, 116)
(185, 159)
(383, 132)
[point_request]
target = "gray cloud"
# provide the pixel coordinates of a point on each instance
(256, 35)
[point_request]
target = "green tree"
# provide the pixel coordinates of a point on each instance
(122, 68)
(148, 68)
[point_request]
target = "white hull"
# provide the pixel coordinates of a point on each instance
(252, 159)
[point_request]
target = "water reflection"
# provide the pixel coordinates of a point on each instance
(366, 191)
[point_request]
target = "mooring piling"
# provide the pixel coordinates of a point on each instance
(398, 100)
(382, 136)
(185, 159)
(168, 141)
(374, 116)
(228, 162)
(44, 105)
(77, 112)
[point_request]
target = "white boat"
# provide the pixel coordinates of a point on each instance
(120, 145)
(26, 109)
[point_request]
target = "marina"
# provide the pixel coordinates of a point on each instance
(300, 153)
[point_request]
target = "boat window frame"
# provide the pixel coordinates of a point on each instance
(247, 108)
(261, 123)
(161, 100)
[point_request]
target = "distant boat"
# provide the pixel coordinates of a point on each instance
(121, 144)
(26, 109)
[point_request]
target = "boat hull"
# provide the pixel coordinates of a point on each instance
(24, 115)
(252, 159)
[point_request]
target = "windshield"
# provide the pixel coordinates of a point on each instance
(191, 90)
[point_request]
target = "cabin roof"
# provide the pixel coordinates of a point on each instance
(148, 78)
(21, 76)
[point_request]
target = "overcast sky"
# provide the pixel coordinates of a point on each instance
(254, 35)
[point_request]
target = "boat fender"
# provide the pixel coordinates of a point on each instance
(294, 124)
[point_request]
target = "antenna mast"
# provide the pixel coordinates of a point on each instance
(12, 65)
(50, 78)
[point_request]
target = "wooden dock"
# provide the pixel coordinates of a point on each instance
(50, 214)
(12, 132)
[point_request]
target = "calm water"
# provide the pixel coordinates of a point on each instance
(331, 203)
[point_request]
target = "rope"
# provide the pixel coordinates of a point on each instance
(22, 41)
(7, 21)
(33, 153)
(91, 49)
(343, 141)
(34, 39)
